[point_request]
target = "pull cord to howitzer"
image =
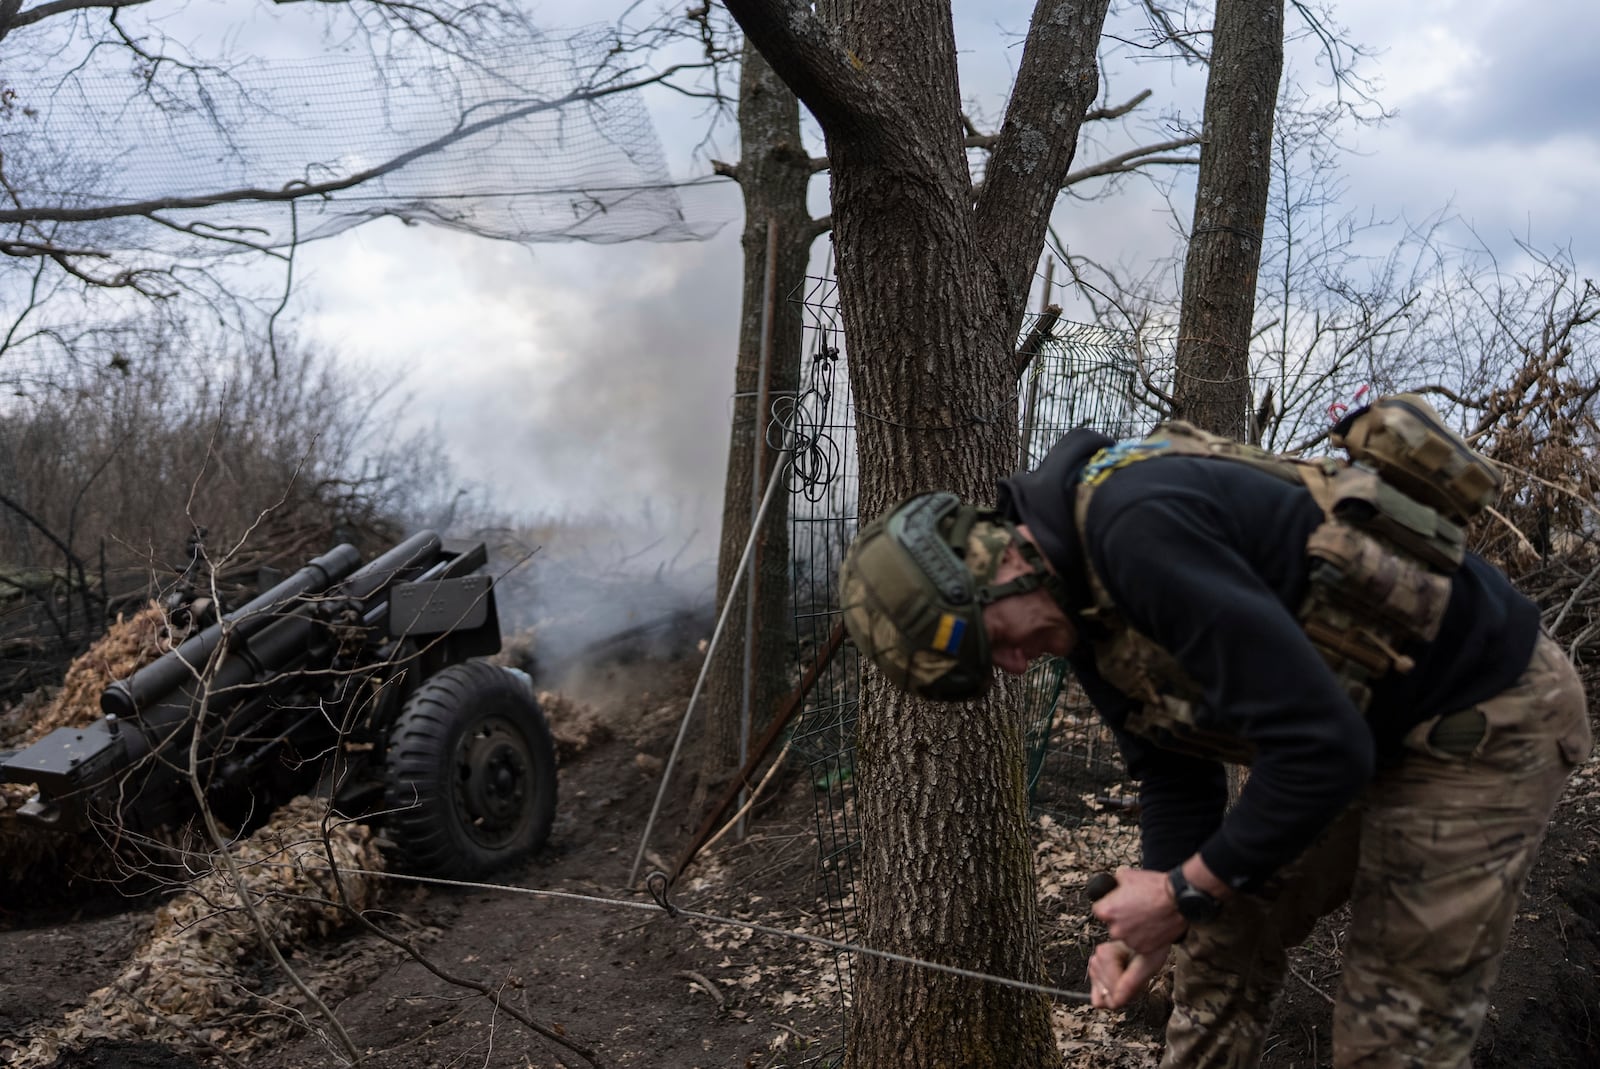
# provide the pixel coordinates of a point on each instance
(658, 886)
(656, 883)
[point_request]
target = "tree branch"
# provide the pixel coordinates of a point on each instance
(827, 77)
(1056, 84)
(1117, 111)
(1178, 38)
(1133, 159)
(60, 7)
(1043, 330)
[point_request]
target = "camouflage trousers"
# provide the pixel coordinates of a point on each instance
(1432, 858)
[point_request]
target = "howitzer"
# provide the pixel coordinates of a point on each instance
(356, 681)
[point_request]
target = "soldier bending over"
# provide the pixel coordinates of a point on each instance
(1407, 726)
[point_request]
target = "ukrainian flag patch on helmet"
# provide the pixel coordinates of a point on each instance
(947, 637)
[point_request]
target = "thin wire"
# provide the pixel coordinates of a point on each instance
(674, 911)
(803, 419)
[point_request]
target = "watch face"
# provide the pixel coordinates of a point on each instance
(1197, 906)
(1194, 905)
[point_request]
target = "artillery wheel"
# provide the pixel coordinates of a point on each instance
(470, 774)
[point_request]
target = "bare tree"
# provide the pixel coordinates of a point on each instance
(933, 278)
(1212, 387)
(1326, 315)
(109, 474)
(774, 173)
(1317, 304)
(1513, 352)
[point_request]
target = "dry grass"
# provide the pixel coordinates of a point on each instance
(199, 979)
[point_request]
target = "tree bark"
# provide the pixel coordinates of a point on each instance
(1219, 276)
(774, 173)
(933, 281)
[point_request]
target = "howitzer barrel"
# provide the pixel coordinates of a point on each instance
(125, 697)
(418, 551)
(288, 639)
(285, 639)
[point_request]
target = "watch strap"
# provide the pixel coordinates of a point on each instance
(1194, 904)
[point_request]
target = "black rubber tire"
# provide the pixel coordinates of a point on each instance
(470, 774)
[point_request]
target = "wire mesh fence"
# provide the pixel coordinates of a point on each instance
(1082, 375)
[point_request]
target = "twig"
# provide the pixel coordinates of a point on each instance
(227, 860)
(796, 1033)
(1562, 615)
(1577, 499)
(1496, 513)
(1298, 975)
(702, 982)
(776, 764)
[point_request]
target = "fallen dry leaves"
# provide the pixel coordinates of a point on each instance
(36, 856)
(809, 982)
(198, 979)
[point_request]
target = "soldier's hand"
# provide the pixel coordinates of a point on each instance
(1141, 912)
(1117, 974)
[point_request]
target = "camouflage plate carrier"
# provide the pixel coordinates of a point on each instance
(1380, 563)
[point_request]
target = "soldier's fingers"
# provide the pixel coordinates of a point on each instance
(1135, 978)
(1105, 972)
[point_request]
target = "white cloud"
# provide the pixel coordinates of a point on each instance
(1433, 62)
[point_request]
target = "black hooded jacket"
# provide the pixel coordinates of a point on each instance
(1208, 559)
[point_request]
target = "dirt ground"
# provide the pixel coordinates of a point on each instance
(636, 987)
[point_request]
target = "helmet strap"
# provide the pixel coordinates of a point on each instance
(1039, 578)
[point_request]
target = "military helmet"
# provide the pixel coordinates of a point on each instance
(914, 586)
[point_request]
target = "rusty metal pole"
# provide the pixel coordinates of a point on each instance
(786, 712)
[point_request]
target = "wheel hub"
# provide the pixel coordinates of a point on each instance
(494, 775)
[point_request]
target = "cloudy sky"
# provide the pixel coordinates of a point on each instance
(572, 379)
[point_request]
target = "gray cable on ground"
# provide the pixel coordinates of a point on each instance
(658, 879)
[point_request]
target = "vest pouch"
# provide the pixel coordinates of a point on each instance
(1165, 709)
(1363, 498)
(1355, 570)
(1406, 441)
(1174, 724)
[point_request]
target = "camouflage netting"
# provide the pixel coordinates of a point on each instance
(528, 141)
(128, 645)
(204, 977)
(31, 857)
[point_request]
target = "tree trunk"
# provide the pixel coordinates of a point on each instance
(947, 880)
(933, 281)
(773, 173)
(929, 336)
(1219, 277)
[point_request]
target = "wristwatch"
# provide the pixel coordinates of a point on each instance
(1194, 905)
